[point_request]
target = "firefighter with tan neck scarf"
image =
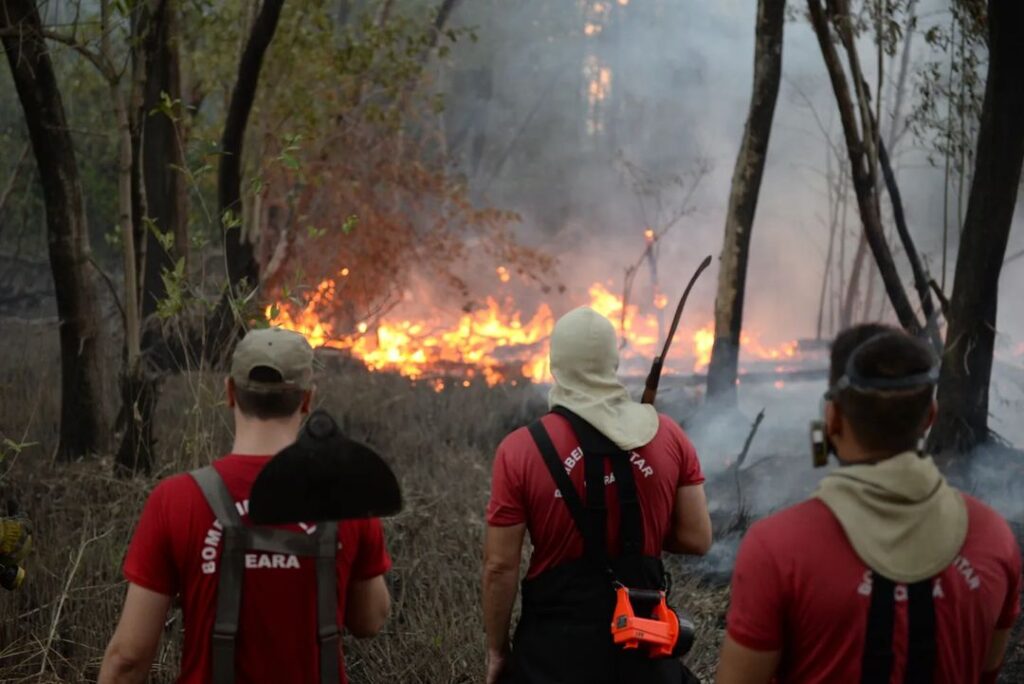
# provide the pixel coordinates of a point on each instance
(887, 574)
(603, 485)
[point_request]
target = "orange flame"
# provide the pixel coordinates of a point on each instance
(494, 343)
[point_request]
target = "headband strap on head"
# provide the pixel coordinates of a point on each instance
(853, 379)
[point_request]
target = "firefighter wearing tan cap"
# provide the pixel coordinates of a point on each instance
(603, 485)
(260, 604)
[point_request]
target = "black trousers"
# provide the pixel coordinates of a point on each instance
(547, 650)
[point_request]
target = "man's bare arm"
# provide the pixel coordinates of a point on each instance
(367, 607)
(741, 665)
(503, 549)
(132, 648)
(996, 652)
(691, 524)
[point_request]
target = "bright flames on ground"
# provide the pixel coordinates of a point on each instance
(497, 343)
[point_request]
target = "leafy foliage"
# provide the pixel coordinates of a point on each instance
(951, 86)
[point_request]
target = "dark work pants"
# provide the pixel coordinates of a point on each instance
(551, 651)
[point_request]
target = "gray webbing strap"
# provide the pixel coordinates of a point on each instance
(217, 496)
(230, 575)
(237, 538)
(327, 603)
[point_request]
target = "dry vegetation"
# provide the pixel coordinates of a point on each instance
(56, 626)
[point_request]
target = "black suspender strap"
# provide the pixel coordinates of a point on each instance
(921, 639)
(593, 443)
(876, 664)
(596, 507)
(591, 519)
(237, 539)
(562, 481)
(632, 527)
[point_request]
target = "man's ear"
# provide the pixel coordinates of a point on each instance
(229, 389)
(833, 420)
(307, 401)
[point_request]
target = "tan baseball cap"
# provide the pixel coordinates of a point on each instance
(282, 350)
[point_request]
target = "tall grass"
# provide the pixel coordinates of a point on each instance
(441, 445)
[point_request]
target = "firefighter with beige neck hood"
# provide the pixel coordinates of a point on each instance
(603, 484)
(887, 574)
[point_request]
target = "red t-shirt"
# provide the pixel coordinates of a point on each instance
(523, 491)
(176, 549)
(799, 587)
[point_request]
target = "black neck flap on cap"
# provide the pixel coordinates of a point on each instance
(853, 379)
(323, 477)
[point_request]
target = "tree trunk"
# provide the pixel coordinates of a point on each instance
(861, 147)
(158, 160)
(83, 423)
(239, 251)
(746, 184)
(931, 322)
(836, 187)
(162, 148)
(967, 359)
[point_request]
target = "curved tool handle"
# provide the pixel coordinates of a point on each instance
(654, 377)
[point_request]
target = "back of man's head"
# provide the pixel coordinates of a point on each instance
(271, 372)
(883, 419)
(583, 346)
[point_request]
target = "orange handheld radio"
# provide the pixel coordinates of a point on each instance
(663, 633)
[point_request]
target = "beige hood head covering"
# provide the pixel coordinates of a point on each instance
(584, 359)
(901, 516)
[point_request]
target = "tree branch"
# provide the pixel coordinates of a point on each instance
(105, 68)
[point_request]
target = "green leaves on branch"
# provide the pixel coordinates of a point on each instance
(176, 287)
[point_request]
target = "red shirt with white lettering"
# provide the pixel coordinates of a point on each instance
(798, 587)
(176, 548)
(523, 491)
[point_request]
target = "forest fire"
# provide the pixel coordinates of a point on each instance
(497, 342)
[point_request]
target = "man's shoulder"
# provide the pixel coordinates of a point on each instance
(988, 526)
(516, 440)
(175, 486)
(520, 443)
(792, 527)
(671, 432)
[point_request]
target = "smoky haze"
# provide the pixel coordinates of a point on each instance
(521, 124)
(533, 135)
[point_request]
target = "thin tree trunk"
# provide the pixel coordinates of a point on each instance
(162, 153)
(158, 177)
(835, 188)
(860, 139)
(746, 184)
(12, 180)
(83, 422)
(841, 289)
(869, 294)
(853, 285)
(967, 359)
(239, 250)
(917, 267)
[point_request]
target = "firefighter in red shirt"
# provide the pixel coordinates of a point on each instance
(887, 574)
(552, 479)
(260, 604)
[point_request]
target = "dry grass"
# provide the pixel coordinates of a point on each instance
(441, 445)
